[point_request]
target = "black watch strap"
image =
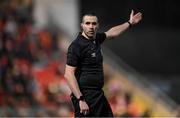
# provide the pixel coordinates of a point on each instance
(81, 98)
(130, 24)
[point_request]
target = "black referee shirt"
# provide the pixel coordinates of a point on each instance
(85, 54)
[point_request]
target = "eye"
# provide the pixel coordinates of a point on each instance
(94, 23)
(87, 23)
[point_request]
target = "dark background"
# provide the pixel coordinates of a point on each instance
(151, 47)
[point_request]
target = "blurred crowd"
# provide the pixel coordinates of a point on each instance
(31, 69)
(31, 66)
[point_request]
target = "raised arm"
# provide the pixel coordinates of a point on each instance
(73, 85)
(117, 30)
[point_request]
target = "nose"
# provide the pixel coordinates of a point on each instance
(91, 25)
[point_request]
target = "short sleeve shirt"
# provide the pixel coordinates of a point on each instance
(86, 56)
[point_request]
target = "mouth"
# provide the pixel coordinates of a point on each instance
(91, 32)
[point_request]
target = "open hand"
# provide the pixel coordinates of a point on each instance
(135, 18)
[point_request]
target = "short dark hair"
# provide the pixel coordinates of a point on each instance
(88, 14)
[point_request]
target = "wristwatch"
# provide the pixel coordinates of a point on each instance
(130, 24)
(81, 98)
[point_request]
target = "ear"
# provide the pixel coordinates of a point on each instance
(82, 25)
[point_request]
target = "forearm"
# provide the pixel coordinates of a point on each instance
(73, 85)
(117, 30)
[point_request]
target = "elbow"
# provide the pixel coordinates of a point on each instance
(69, 72)
(112, 35)
(65, 76)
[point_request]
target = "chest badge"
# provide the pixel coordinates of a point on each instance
(93, 54)
(94, 42)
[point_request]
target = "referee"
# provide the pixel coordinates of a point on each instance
(84, 66)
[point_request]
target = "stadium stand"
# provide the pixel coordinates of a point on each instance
(31, 74)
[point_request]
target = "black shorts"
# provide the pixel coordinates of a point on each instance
(97, 102)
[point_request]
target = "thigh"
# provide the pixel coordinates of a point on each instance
(106, 110)
(98, 103)
(102, 108)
